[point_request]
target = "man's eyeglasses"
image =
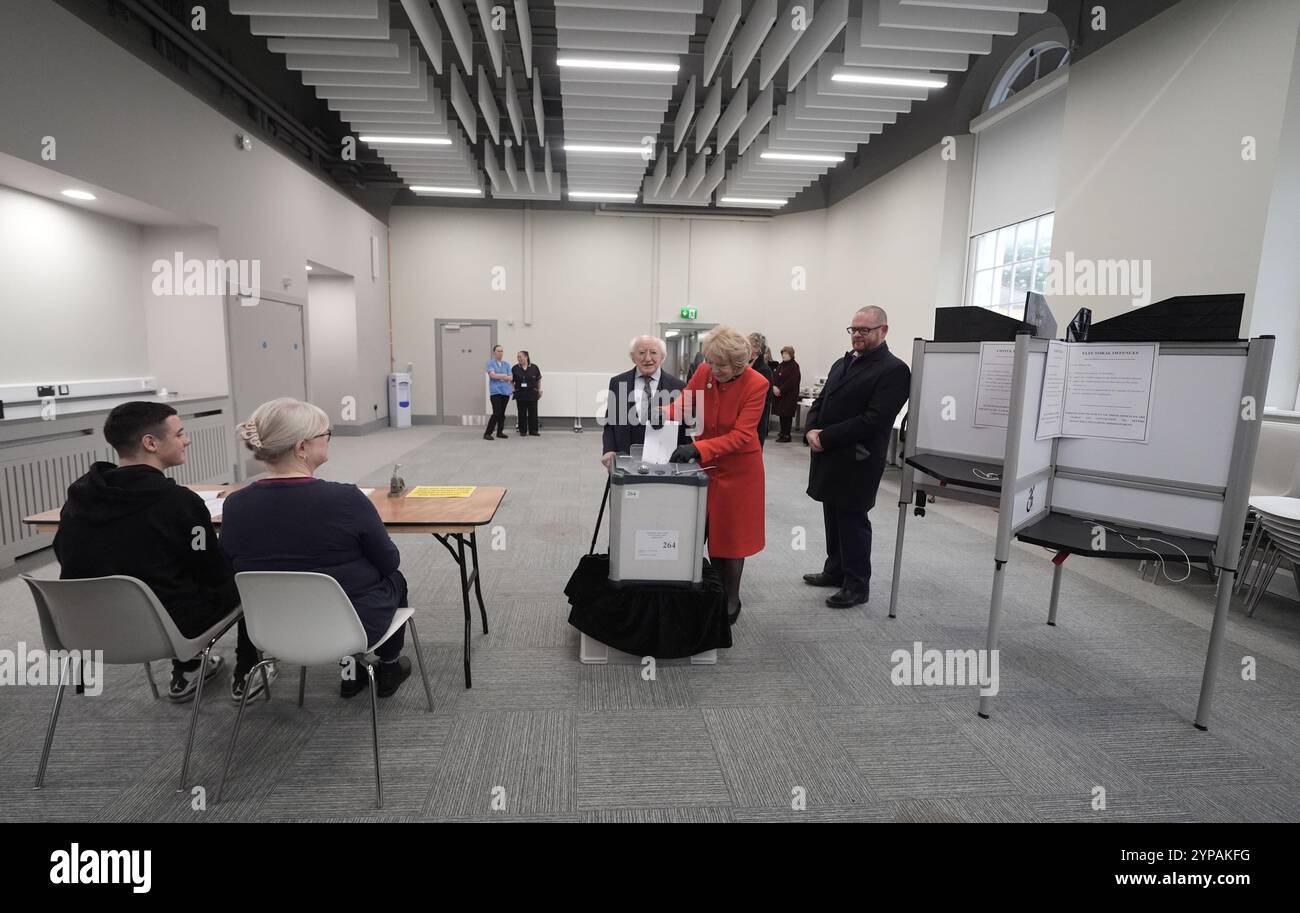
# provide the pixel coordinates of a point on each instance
(862, 331)
(328, 434)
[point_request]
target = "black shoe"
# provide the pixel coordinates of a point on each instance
(783, 439)
(822, 580)
(488, 436)
(391, 675)
(731, 617)
(845, 599)
(533, 434)
(351, 687)
(502, 434)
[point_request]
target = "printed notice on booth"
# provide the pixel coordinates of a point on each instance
(1108, 391)
(993, 391)
(656, 544)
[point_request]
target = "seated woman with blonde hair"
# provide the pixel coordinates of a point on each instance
(292, 521)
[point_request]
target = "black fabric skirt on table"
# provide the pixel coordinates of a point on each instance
(647, 620)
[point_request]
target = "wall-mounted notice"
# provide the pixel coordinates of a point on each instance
(993, 389)
(1108, 391)
(1052, 403)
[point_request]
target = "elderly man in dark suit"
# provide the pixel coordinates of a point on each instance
(636, 398)
(848, 432)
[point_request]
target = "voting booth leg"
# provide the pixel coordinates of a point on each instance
(1217, 633)
(898, 559)
(995, 621)
(1056, 594)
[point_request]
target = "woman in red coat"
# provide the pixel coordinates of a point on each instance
(733, 396)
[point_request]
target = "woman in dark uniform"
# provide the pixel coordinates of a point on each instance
(528, 390)
(785, 389)
(733, 395)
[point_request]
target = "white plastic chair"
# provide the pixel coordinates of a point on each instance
(306, 618)
(122, 617)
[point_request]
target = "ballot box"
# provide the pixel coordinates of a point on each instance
(656, 532)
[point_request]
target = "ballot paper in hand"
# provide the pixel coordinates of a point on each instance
(660, 442)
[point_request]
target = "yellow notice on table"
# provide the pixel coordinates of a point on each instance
(441, 491)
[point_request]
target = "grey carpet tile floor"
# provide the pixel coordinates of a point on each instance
(802, 720)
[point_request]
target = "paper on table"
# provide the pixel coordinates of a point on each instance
(367, 491)
(208, 495)
(660, 442)
(215, 507)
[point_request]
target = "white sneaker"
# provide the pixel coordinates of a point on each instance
(238, 684)
(184, 684)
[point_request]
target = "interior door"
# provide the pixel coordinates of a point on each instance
(462, 368)
(267, 359)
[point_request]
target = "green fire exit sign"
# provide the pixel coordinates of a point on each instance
(688, 313)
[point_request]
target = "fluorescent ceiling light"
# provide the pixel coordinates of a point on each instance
(600, 195)
(79, 194)
(644, 66)
(755, 201)
(309, 267)
(582, 147)
(801, 157)
(933, 82)
(408, 140)
(467, 191)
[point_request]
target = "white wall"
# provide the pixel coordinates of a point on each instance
(1277, 294)
(332, 342)
(121, 125)
(597, 280)
(72, 305)
(1151, 165)
(186, 334)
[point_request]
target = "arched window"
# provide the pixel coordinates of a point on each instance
(1032, 64)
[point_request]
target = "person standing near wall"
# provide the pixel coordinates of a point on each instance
(758, 361)
(785, 390)
(499, 390)
(848, 430)
(527, 379)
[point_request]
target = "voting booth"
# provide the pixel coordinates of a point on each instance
(1131, 449)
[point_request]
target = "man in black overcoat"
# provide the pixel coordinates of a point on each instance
(848, 433)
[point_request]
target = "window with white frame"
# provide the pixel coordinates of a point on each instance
(1008, 262)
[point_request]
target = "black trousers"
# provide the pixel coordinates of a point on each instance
(376, 618)
(498, 419)
(196, 619)
(848, 547)
(527, 416)
(786, 421)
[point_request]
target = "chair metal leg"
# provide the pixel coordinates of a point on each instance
(266, 685)
(419, 658)
(374, 731)
(194, 717)
(302, 685)
(1265, 556)
(1248, 553)
(234, 733)
(153, 686)
(1268, 578)
(54, 719)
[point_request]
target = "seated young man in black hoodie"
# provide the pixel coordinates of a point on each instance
(132, 520)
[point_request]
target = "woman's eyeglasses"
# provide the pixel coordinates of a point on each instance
(328, 434)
